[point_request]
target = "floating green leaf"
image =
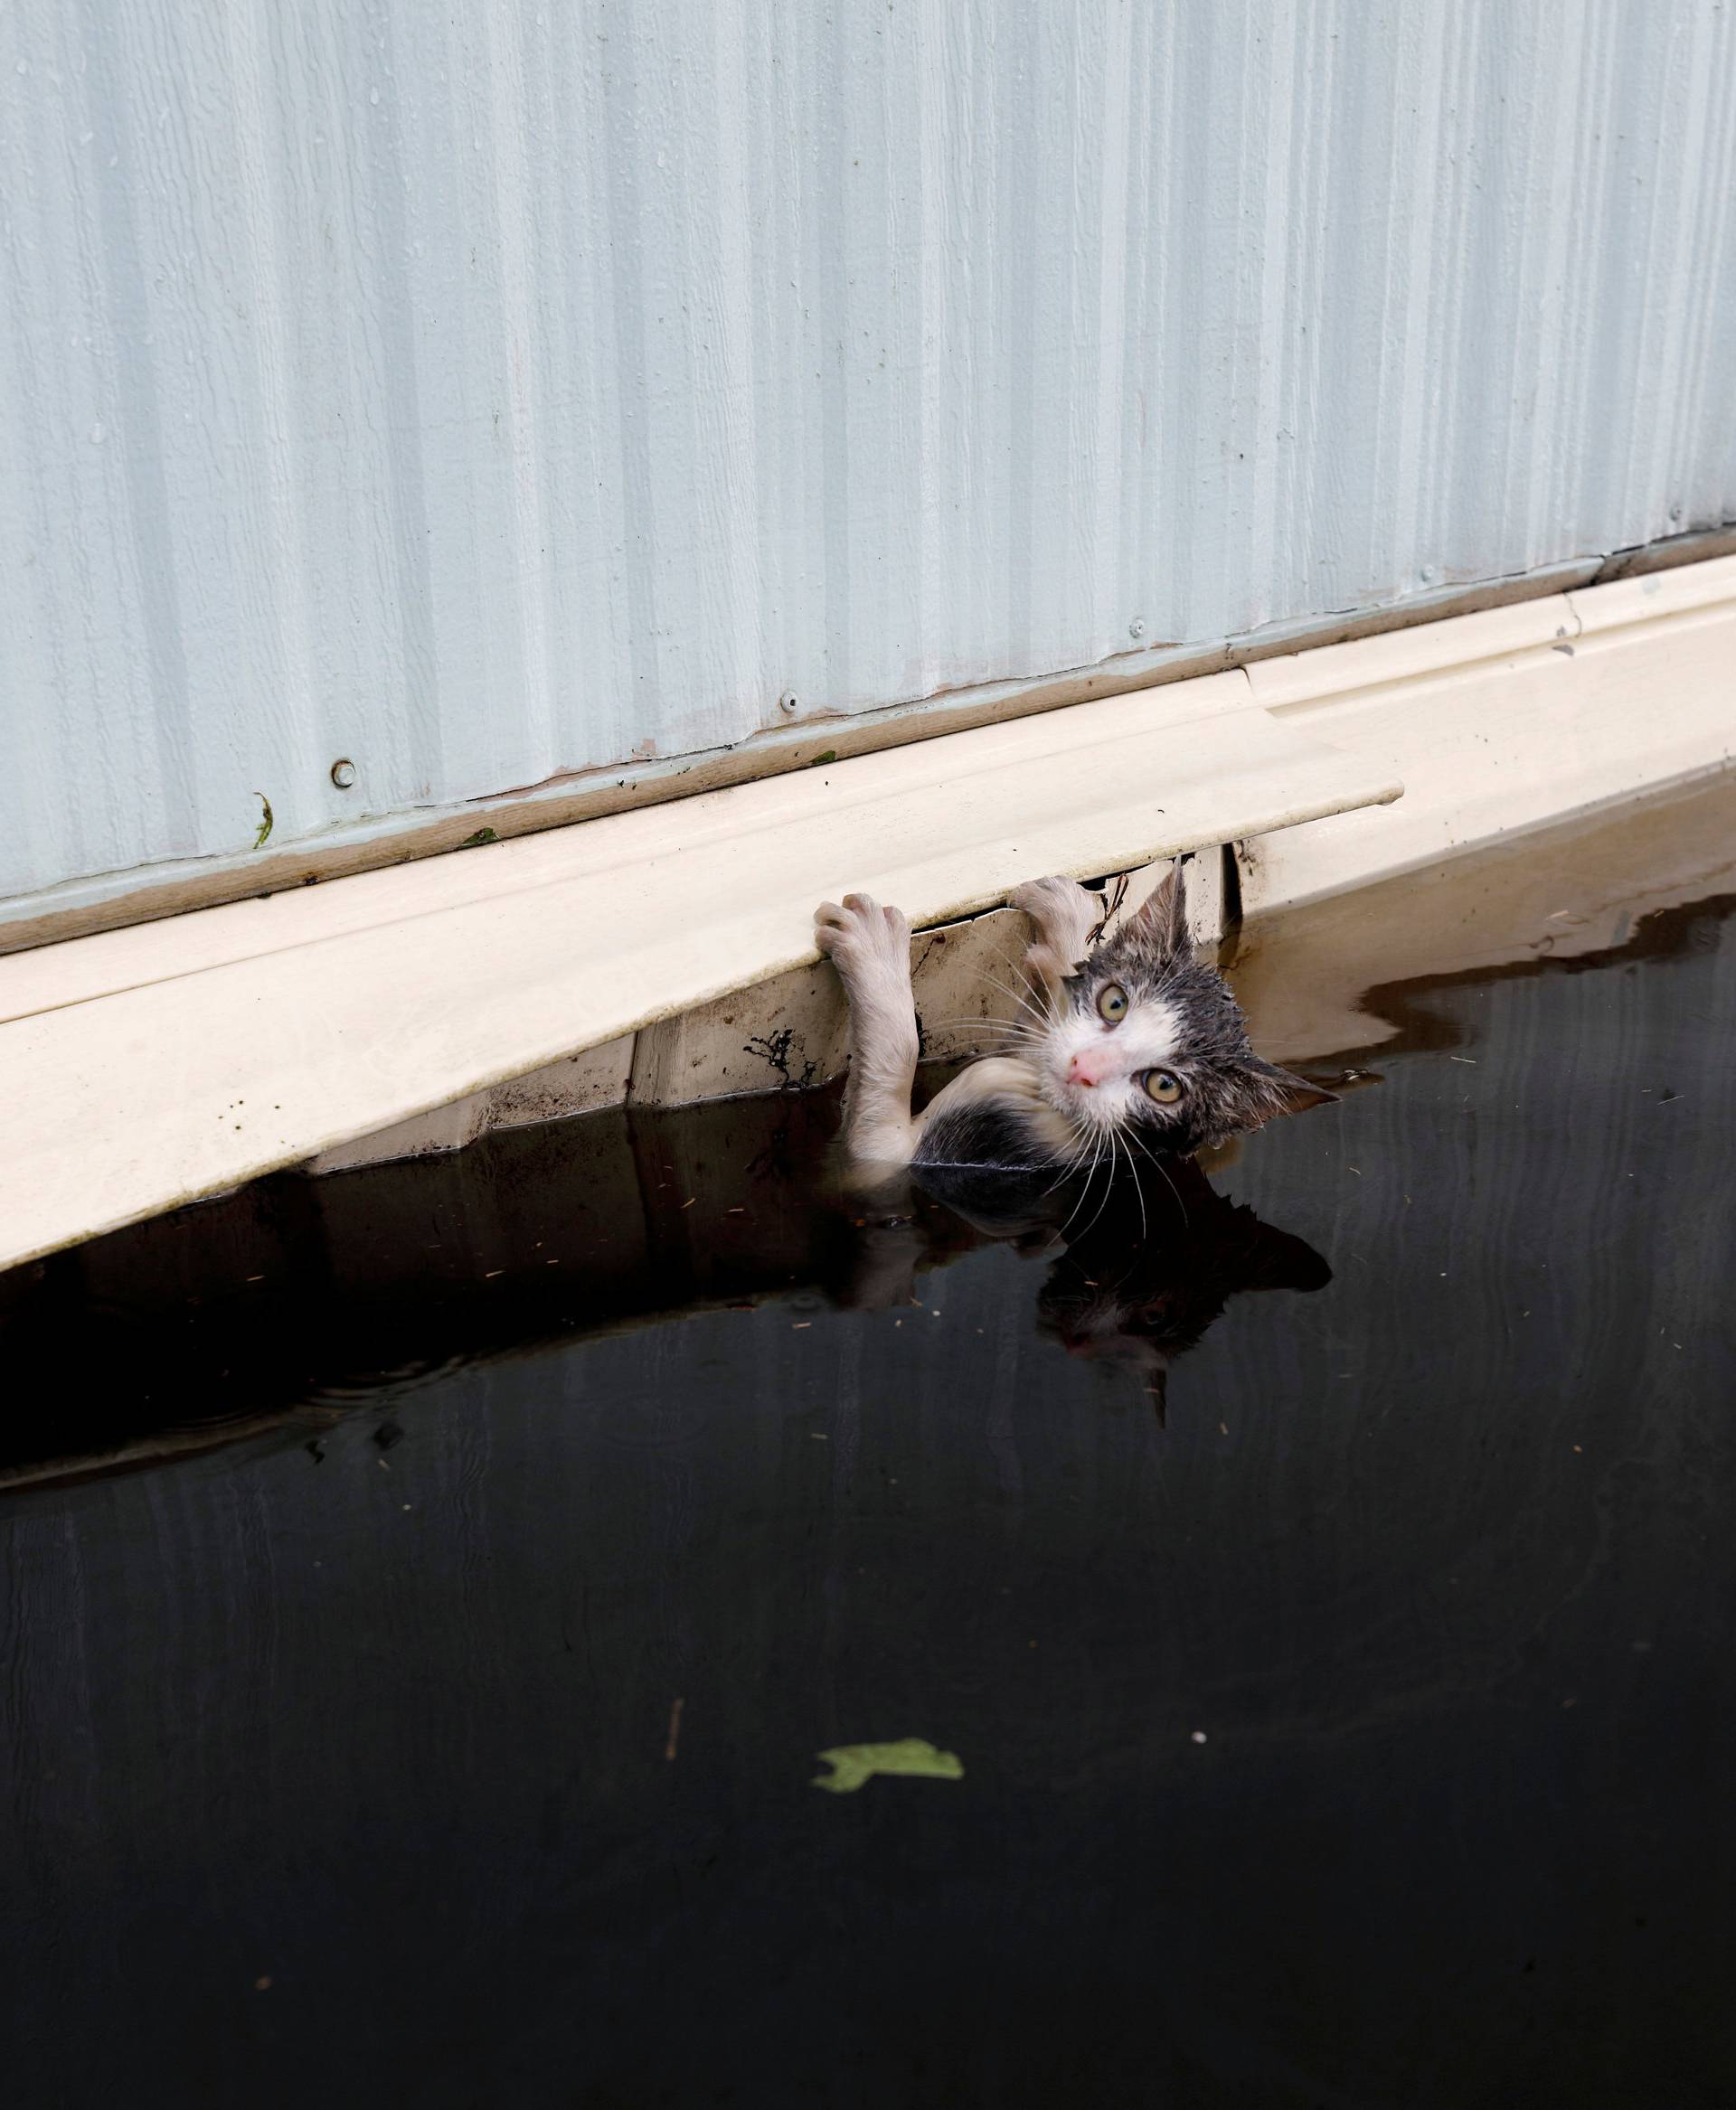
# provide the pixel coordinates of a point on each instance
(853, 1764)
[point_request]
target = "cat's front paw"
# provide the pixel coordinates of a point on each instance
(1062, 913)
(865, 942)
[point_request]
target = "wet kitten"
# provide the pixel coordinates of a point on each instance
(1132, 1044)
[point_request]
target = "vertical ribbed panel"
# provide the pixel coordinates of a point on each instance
(485, 391)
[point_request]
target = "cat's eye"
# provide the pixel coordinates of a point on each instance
(1164, 1086)
(1112, 1002)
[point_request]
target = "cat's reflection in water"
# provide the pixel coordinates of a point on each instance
(298, 1301)
(1142, 1263)
(1140, 1297)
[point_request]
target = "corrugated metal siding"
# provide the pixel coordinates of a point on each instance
(482, 390)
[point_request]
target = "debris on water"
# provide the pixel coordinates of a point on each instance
(853, 1763)
(1198, 1737)
(674, 1727)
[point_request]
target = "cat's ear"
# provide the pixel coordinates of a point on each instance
(1276, 1259)
(1267, 1091)
(1161, 919)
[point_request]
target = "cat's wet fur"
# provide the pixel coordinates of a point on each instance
(1130, 1045)
(970, 1139)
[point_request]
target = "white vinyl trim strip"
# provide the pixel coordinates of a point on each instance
(1506, 722)
(144, 1067)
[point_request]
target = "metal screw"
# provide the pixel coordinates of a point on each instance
(343, 774)
(788, 700)
(1136, 628)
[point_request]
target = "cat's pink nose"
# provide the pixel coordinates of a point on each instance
(1086, 1069)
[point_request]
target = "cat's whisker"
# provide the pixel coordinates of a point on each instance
(1028, 997)
(1138, 1190)
(1070, 1165)
(1091, 1174)
(1026, 1001)
(1157, 1166)
(1068, 1169)
(1022, 975)
(1005, 1037)
(1033, 1022)
(997, 1025)
(1133, 1174)
(1108, 1188)
(1073, 1211)
(1115, 1166)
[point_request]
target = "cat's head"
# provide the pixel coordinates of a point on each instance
(1148, 1041)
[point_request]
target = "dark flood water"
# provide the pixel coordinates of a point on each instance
(1363, 1734)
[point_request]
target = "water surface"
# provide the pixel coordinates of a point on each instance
(1358, 1733)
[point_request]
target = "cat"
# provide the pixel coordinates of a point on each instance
(1130, 1043)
